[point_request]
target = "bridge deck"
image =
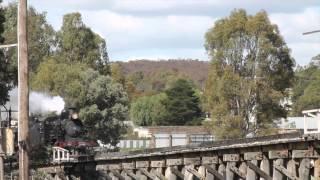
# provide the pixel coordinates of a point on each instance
(293, 156)
(212, 146)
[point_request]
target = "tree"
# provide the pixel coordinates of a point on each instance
(306, 90)
(5, 74)
(148, 110)
(182, 104)
(117, 73)
(251, 71)
(60, 79)
(41, 36)
(103, 103)
(78, 43)
(103, 106)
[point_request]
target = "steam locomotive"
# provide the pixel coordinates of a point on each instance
(65, 131)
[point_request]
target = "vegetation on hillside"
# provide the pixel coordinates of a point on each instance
(194, 70)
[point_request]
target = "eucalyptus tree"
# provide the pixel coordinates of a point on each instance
(5, 78)
(251, 71)
(77, 43)
(41, 36)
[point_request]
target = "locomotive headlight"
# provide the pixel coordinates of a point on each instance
(75, 116)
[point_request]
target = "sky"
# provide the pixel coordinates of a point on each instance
(163, 29)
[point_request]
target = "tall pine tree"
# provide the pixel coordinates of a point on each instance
(182, 104)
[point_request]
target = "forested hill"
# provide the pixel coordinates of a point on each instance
(195, 70)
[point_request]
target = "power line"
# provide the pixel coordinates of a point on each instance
(8, 46)
(311, 32)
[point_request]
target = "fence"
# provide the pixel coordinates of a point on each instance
(165, 140)
(134, 144)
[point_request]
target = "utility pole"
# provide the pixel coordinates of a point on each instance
(1, 154)
(23, 92)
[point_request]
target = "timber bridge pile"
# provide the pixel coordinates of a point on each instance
(292, 156)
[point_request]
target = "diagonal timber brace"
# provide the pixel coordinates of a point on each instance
(149, 175)
(117, 174)
(258, 171)
(285, 172)
(238, 172)
(194, 172)
(177, 173)
(214, 172)
(132, 175)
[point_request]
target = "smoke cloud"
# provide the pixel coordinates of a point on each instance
(38, 102)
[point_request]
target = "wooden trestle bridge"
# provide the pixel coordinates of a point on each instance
(290, 156)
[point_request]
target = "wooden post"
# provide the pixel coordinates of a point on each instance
(170, 140)
(317, 169)
(1, 152)
(125, 175)
(243, 168)
(169, 174)
(202, 171)
(129, 173)
(265, 166)
(277, 175)
(229, 172)
(291, 166)
(210, 176)
(1, 166)
(23, 91)
(188, 175)
(222, 170)
(188, 139)
(141, 175)
(153, 141)
(251, 174)
(304, 169)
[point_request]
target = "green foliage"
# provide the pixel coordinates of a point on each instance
(78, 43)
(148, 110)
(41, 155)
(182, 105)
(138, 84)
(103, 106)
(57, 78)
(306, 91)
(5, 72)
(41, 36)
(78, 71)
(117, 73)
(250, 73)
(102, 102)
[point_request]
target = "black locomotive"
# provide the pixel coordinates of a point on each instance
(65, 131)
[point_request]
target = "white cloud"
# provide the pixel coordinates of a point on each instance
(166, 28)
(304, 51)
(292, 26)
(148, 34)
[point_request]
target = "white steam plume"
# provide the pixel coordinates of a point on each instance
(38, 102)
